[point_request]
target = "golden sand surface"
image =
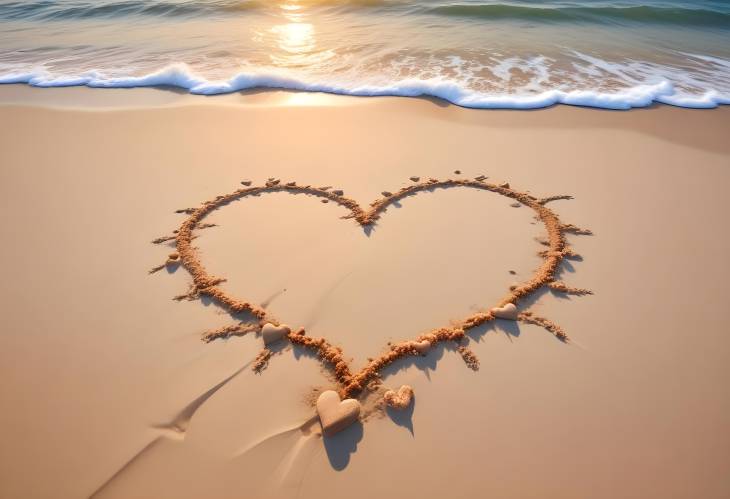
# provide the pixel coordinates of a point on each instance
(108, 390)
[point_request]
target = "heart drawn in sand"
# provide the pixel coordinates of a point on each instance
(334, 414)
(352, 383)
(400, 399)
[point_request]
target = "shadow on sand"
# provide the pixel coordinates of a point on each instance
(341, 446)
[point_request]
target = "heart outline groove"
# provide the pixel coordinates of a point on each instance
(350, 383)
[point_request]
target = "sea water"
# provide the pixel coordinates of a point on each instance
(474, 53)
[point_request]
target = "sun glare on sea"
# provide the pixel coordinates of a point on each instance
(295, 38)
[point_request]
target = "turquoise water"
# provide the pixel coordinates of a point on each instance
(474, 53)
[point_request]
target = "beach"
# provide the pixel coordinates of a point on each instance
(110, 391)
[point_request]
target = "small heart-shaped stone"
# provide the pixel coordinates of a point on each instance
(509, 311)
(336, 415)
(272, 334)
(400, 399)
(421, 346)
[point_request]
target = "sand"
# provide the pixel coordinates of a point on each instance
(111, 388)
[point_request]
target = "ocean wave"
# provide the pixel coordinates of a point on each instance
(48, 10)
(179, 75)
(645, 14)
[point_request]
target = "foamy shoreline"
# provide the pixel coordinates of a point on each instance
(108, 389)
(181, 77)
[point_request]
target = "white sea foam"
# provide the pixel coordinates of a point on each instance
(181, 76)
